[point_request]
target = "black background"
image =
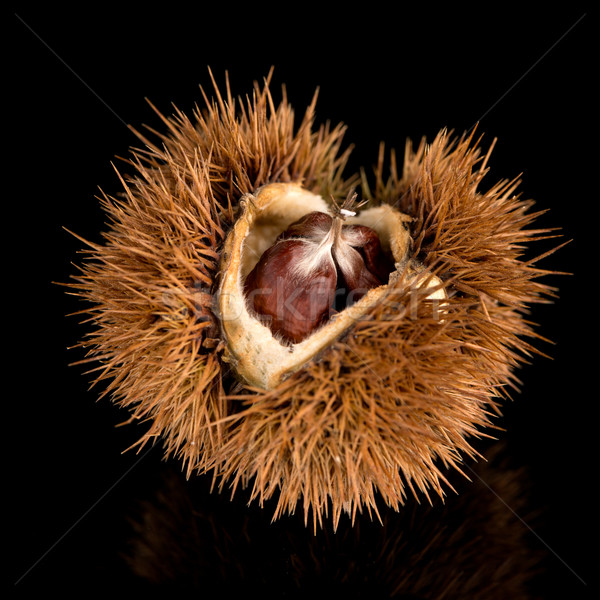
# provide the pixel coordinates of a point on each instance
(78, 76)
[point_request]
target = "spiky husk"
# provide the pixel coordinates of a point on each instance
(384, 410)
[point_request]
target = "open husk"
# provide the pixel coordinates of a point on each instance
(257, 356)
(381, 401)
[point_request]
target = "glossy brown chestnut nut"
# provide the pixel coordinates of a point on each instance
(317, 265)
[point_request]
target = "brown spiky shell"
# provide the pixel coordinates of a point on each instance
(385, 408)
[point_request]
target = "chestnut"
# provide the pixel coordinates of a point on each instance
(317, 264)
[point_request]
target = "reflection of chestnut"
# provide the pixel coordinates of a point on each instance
(295, 282)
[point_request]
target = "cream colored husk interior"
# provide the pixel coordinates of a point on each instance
(258, 357)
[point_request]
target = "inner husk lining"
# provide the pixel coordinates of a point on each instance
(257, 355)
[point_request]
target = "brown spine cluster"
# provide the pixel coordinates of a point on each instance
(383, 412)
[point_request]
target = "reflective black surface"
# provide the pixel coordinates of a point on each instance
(76, 80)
